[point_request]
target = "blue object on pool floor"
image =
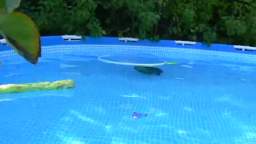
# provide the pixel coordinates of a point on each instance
(138, 115)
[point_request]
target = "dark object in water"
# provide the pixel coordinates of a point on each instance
(138, 115)
(148, 70)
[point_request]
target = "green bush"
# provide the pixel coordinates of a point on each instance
(229, 21)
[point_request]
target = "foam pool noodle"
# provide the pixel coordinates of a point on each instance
(16, 88)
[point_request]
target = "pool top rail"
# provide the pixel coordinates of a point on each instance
(76, 39)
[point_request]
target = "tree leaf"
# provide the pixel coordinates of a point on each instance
(12, 4)
(21, 32)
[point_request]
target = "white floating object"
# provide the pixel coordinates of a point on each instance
(128, 39)
(3, 41)
(134, 60)
(179, 42)
(72, 37)
(244, 48)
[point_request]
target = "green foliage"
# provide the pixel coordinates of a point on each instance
(64, 16)
(229, 21)
(19, 30)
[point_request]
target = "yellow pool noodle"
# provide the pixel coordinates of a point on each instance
(16, 88)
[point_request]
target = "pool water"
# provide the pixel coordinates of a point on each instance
(207, 97)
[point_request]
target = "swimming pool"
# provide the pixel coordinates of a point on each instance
(206, 97)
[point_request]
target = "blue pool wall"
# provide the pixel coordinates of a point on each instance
(58, 40)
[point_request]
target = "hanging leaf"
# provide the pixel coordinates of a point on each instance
(21, 32)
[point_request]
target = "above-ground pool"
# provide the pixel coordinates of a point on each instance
(203, 97)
